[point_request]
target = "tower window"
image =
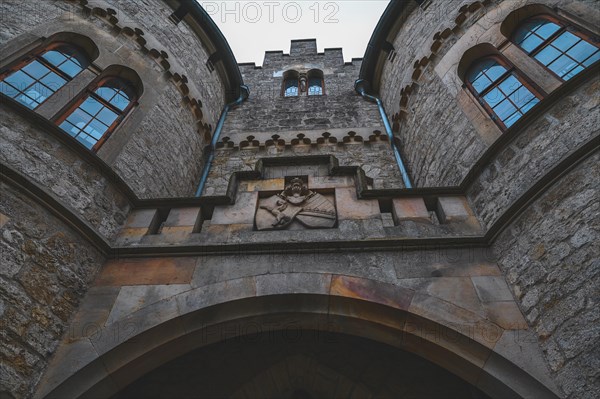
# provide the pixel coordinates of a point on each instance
(33, 81)
(315, 86)
(500, 90)
(296, 84)
(291, 87)
(562, 49)
(100, 112)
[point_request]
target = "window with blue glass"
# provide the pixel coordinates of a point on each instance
(315, 86)
(504, 95)
(291, 87)
(559, 47)
(100, 112)
(36, 78)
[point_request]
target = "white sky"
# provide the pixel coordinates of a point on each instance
(252, 27)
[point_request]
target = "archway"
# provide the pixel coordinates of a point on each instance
(117, 361)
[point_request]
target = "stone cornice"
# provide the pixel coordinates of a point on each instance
(378, 244)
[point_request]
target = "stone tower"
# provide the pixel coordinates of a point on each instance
(421, 222)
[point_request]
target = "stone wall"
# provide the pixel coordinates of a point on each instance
(340, 123)
(268, 110)
(181, 43)
(567, 125)
(373, 156)
(17, 17)
(158, 149)
(442, 129)
(550, 257)
(437, 139)
(46, 270)
(164, 156)
(78, 184)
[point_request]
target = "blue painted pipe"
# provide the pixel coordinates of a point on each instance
(360, 88)
(244, 94)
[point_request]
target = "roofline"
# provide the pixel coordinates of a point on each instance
(383, 29)
(223, 52)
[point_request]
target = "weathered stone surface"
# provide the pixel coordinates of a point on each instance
(133, 298)
(554, 273)
(78, 184)
(147, 271)
(412, 209)
(350, 207)
(565, 127)
(242, 212)
(491, 289)
(46, 270)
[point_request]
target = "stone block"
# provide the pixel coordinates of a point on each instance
(265, 185)
(293, 283)
(470, 356)
(456, 290)
(412, 209)
(179, 224)
(183, 217)
(140, 219)
(3, 219)
(350, 207)
(137, 226)
(492, 288)
(521, 347)
(506, 314)
(172, 235)
(519, 384)
(212, 294)
(372, 291)
(456, 318)
(133, 298)
(147, 271)
(453, 209)
(242, 212)
(67, 360)
(319, 182)
(93, 311)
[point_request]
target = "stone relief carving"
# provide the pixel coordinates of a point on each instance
(295, 203)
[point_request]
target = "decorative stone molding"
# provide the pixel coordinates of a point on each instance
(161, 57)
(301, 139)
(295, 203)
(441, 40)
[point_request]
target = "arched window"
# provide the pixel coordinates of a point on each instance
(559, 47)
(37, 77)
(290, 88)
(93, 119)
(504, 95)
(291, 84)
(315, 83)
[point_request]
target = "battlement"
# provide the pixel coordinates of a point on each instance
(305, 49)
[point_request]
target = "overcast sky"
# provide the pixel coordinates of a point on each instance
(252, 27)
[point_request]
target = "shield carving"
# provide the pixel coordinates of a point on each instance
(296, 202)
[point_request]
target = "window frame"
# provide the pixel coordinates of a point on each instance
(285, 86)
(90, 91)
(564, 26)
(37, 55)
(315, 75)
(510, 70)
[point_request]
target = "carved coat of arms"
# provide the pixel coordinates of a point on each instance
(295, 202)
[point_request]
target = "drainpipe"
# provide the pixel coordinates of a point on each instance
(244, 94)
(360, 87)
